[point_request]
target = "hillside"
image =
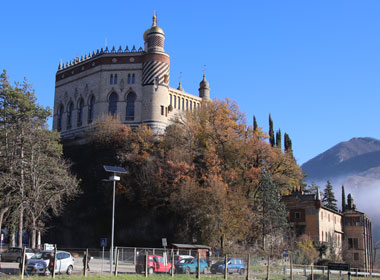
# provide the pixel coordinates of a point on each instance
(355, 157)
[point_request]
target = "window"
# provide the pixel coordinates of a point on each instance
(112, 105)
(170, 99)
(162, 110)
(70, 115)
(111, 79)
(91, 109)
(115, 80)
(130, 110)
(183, 104)
(179, 103)
(322, 235)
(356, 256)
(133, 78)
(129, 78)
(297, 215)
(60, 115)
(175, 101)
(187, 105)
(80, 112)
(191, 105)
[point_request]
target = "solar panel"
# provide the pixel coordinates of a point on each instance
(114, 169)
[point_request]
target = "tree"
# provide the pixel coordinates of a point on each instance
(271, 212)
(271, 132)
(278, 138)
(254, 123)
(343, 199)
(287, 143)
(31, 154)
(328, 197)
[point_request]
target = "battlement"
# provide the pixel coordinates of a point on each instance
(77, 60)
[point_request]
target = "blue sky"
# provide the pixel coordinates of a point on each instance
(314, 65)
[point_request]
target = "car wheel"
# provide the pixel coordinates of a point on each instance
(69, 270)
(170, 270)
(205, 270)
(150, 270)
(241, 271)
(187, 271)
(138, 270)
(18, 260)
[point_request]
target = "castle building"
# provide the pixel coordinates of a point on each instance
(132, 85)
(348, 232)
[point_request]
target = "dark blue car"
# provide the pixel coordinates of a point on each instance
(233, 265)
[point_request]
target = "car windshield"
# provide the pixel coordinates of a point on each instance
(41, 256)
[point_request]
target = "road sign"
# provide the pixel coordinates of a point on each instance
(103, 242)
(164, 242)
(338, 266)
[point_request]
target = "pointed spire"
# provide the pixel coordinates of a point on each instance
(154, 19)
(60, 65)
(120, 49)
(133, 49)
(113, 49)
(126, 49)
(180, 86)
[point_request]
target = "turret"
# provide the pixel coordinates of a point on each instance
(204, 89)
(154, 38)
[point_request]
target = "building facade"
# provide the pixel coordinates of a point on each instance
(348, 232)
(132, 85)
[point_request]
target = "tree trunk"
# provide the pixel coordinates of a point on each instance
(34, 239)
(39, 240)
(13, 239)
(20, 225)
(2, 212)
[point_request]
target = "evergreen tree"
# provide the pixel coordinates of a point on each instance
(271, 132)
(343, 199)
(287, 143)
(328, 198)
(278, 138)
(254, 123)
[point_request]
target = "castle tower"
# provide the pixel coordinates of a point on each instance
(155, 79)
(204, 89)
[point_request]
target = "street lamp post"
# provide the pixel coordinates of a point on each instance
(113, 178)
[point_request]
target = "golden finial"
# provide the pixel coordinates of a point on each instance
(154, 19)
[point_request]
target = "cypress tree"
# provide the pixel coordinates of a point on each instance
(328, 199)
(278, 138)
(271, 132)
(254, 123)
(287, 143)
(343, 199)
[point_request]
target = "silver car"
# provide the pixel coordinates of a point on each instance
(38, 264)
(14, 254)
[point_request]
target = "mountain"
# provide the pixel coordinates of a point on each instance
(356, 157)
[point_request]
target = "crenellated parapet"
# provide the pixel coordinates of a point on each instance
(87, 57)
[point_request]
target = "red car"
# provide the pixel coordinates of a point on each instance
(156, 264)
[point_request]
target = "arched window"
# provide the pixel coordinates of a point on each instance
(70, 115)
(91, 105)
(112, 105)
(129, 78)
(80, 112)
(130, 110)
(59, 120)
(111, 79)
(133, 78)
(115, 80)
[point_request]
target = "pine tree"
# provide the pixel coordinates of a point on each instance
(343, 199)
(278, 138)
(328, 198)
(271, 132)
(254, 123)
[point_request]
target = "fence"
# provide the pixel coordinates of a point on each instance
(253, 267)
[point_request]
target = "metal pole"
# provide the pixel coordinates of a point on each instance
(102, 257)
(249, 258)
(113, 223)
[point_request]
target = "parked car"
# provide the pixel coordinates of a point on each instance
(14, 254)
(191, 266)
(39, 262)
(156, 264)
(233, 265)
(178, 258)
